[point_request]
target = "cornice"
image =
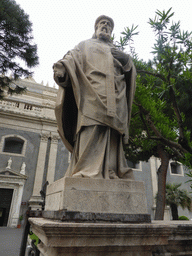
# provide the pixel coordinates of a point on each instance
(27, 118)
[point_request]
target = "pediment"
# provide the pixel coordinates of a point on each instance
(12, 174)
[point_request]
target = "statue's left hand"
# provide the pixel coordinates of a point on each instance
(120, 56)
(59, 69)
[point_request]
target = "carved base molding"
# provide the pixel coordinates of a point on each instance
(35, 203)
(72, 216)
(112, 239)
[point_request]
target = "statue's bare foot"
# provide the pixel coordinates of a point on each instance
(113, 175)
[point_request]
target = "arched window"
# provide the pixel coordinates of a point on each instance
(13, 144)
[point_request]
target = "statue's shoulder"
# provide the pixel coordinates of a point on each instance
(82, 44)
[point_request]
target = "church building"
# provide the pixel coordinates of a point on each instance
(31, 153)
(30, 149)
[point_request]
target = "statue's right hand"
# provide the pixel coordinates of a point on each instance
(59, 69)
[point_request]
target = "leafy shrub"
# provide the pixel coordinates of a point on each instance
(33, 236)
(183, 218)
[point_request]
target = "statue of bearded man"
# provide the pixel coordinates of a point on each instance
(93, 109)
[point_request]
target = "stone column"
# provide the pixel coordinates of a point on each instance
(36, 197)
(15, 206)
(153, 168)
(153, 176)
(52, 158)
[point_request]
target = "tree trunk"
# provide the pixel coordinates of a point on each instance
(174, 212)
(162, 174)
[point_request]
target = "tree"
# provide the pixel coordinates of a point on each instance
(177, 197)
(16, 45)
(157, 124)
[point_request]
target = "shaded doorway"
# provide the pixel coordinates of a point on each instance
(5, 204)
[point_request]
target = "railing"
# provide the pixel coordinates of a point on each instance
(20, 107)
(28, 109)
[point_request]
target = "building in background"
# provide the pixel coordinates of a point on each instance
(30, 149)
(32, 153)
(147, 172)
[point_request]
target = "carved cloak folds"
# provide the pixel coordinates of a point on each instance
(97, 90)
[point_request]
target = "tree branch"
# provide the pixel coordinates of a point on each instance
(177, 112)
(137, 113)
(152, 74)
(175, 150)
(169, 143)
(172, 144)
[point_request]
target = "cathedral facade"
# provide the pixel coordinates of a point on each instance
(31, 153)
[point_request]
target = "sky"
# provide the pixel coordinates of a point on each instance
(60, 25)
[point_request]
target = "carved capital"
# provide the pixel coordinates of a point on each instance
(54, 138)
(45, 136)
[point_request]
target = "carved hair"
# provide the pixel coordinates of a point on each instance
(104, 17)
(100, 18)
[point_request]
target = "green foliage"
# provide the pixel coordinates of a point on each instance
(177, 196)
(163, 91)
(21, 217)
(161, 123)
(34, 237)
(173, 58)
(16, 44)
(183, 218)
(126, 39)
(149, 105)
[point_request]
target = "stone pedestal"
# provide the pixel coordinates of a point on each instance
(97, 196)
(92, 217)
(101, 239)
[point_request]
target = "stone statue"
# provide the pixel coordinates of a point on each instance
(23, 166)
(9, 163)
(93, 109)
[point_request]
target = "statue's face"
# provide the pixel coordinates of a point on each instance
(103, 29)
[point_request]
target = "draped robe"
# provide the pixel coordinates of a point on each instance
(93, 109)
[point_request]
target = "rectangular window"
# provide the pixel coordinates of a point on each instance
(13, 145)
(176, 168)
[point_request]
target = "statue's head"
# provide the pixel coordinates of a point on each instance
(103, 27)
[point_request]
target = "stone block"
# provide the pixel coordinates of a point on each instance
(96, 196)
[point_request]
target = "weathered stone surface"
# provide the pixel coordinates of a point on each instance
(72, 216)
(97, 196)
(99, 239)
(97, 84)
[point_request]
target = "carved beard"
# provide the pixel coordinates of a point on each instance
(104, 36)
